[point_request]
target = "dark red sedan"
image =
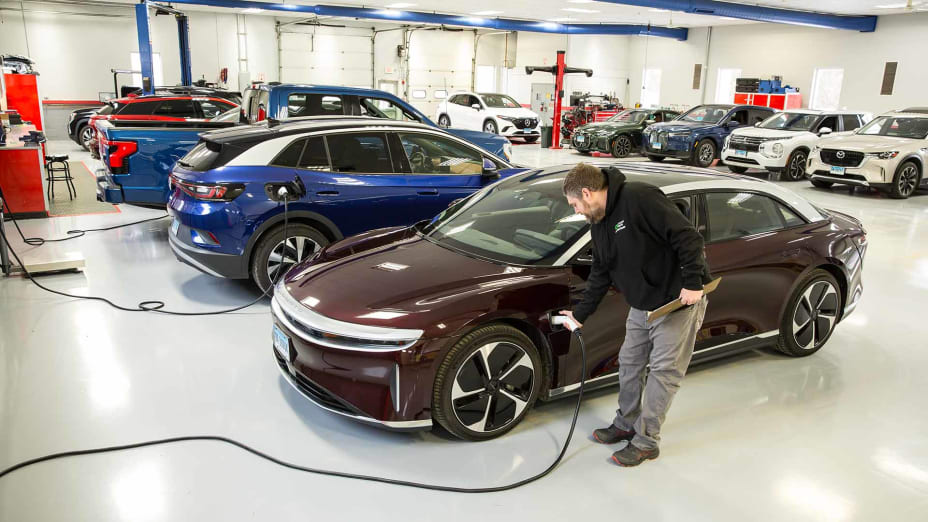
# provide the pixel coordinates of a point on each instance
(449, 321)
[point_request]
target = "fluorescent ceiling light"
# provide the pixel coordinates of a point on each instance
(548, 25)
(390, 12)
(578, 10)
(251, 10)
(487, 13)
(400, 5)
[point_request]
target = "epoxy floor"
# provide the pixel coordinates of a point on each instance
(839, 435)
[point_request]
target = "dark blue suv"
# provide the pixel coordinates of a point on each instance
(697, 135)
(355, 175)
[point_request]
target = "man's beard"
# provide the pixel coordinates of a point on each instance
(595, 216)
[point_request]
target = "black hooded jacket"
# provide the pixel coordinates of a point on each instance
(644, 246)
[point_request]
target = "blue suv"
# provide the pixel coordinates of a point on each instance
(697, 135)
(351, 175)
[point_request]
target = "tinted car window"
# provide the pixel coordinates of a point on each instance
(137, 108)
(360, 152)
(740, 116)
(200, 158)
(211, 109)
(851, 122)
(314, 155)
(733, 215)
(106, 109)
(757, 116)
(429, 154)
(829, 121)
(304, 104)
(380, 108)
(176, 109)
(290, 156)
(790, 219)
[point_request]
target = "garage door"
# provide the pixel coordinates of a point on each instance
(326, 59)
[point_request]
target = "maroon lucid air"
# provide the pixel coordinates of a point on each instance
(448, 321)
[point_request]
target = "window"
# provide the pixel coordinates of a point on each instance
(725, 85)
(176, 109)
(419, 94)
(256, 100)
(733, 215)
(826, 89)
(706, 113)
(314, 155)
(138, 108)
(304, 104)
(685, 205)
(290, 155)
(790, 219)
(897, 127)
(740, 116)
(430, 154)
(851, 122)
(757, 116)
(829, 121)
(380, 108)
(136, 64)
(364, 153)
(211, 109)
(651, 87)
(500, 101)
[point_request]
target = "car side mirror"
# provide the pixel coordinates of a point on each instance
(824, 130)
(489, 168)
(649, 122)
(476, 107)
(732, 124)
(757, 124)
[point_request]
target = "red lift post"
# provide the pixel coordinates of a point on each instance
(558, 70)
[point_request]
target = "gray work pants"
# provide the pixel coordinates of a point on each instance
(667, 345)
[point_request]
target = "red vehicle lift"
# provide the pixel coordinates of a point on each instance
(558, 70)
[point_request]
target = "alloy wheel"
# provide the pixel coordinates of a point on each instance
(444, 121)
(908, 179)
(706, 153)
(622, 147)
(284, 256)
(797, 167)
(86, 136)
(815, 315)
(489, 127)
(492, 387)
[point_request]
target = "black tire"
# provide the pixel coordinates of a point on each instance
(821, 184)
(85, 135)
(622, 146)
(656, 159)
(271, 240)
(905, 181)
(489, 126)
(801, 331)
(736, 170)
(444, 121)
(489, 401)
(531, 139)
(704, 153)
(795, 166)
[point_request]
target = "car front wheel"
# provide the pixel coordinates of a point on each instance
(487, 383)
(489, 126)
(86, 136)
(621, 147)
(444, 121)
(704, 153)
(905, 181)
(273, 256)
(796, 165)
(811, 315)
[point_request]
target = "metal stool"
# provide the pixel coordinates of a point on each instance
(58, 164)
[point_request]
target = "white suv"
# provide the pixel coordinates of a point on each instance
(782, 142)
(889, 153)
(493, 113)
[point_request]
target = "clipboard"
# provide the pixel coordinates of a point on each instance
(676, 304)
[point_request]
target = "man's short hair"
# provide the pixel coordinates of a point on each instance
(584, 176)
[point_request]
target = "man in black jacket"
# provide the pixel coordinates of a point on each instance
(645, 247)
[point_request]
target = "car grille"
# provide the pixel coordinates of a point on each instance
(842, 158)
(659, 137)
(575, 140)
(736, 159)
(313, 390)
(525, 123)
(748, 143)
(857, 177)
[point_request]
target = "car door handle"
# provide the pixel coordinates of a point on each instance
(427, 192)
(327, 193)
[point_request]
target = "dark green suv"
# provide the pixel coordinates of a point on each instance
(620, 135)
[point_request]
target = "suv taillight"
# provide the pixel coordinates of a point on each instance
(209, 191)
(118, 153)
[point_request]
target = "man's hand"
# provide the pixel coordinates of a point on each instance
(570, 315)
(688, 297)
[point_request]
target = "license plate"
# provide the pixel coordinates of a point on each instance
(174, 226)
(838, 171)
(580, 139)
(281, 343)
(655, 144)
(741, 153)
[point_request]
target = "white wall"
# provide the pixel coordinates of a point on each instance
(675, 59)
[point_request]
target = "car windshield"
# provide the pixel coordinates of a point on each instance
(499, 101)
(706, 113)
(523, 220)
(629, 117)
(896, 127)
(792, 121)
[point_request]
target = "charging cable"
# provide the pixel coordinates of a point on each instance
(561, 320)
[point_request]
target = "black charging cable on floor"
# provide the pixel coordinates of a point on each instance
(331, 473)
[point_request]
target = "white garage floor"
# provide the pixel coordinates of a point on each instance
(839, 435)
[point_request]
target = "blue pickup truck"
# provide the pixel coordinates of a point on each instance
(138, 156)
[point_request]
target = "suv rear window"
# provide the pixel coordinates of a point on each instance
(201, 157)
(304, 104)
(137, 109)
(176, 108)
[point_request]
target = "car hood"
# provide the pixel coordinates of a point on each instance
(681, 126)
(607, 126)
(756, 132)
(870, 143)
(516, 112)
(490, 142)
(396, 278)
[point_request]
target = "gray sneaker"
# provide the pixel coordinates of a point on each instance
(611, 435)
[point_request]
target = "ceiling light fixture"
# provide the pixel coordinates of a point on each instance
(251, 10)
(400, 5)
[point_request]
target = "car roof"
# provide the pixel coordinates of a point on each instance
(907, 114)
(272, 128)
(313, 87)
(675, 179)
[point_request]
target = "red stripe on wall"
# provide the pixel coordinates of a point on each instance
(71, 102)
